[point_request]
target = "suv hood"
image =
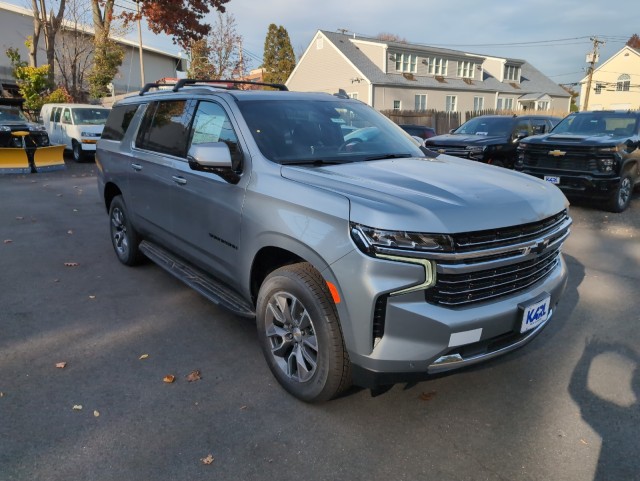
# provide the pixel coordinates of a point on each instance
(601, 140)
(18, 125)
(464, 139)
(441, 195)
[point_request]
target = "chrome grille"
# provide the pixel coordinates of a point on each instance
(491, 264)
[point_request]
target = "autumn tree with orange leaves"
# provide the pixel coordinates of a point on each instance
(183, 20)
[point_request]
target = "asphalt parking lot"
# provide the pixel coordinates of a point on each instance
(565, 407)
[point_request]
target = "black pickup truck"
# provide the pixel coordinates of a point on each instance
(592, 155)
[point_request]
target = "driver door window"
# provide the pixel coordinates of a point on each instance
(211, 124)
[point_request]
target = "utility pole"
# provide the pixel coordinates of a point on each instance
(140, 45)
(592, 58)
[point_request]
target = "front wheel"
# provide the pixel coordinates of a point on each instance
(124, 238)
(622, 196)
(78, 154)
(300, 335)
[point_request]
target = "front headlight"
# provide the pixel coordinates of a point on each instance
(4, 128)
(89, 134)
(476, 149)
(37, 128)
(606, 165)
(374, 241)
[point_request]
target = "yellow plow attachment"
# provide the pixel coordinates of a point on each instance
(49, 158)
(16, 160)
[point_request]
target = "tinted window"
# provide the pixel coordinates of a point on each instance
(487, 126)
(211, 124)
(118, 122)
(57, 114)
(165, 128)
(66, 116)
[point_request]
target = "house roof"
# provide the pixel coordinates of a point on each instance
(532, 80)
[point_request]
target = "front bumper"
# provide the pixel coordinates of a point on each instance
(580, 184)
(421, 339)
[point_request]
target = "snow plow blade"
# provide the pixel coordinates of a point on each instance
(14, 161)
(49, 158)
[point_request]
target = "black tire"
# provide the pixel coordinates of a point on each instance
(124, 238)
(300, 334)
(78, 153)
(621, 198)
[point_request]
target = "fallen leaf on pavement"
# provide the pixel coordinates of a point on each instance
(71, 264)
(584, 442)
(1, 394)
(194, 376)
(169, 378)
(427, 396)
(61, 365)
(207, 460)
(19, 217)
(242, 408)
(69, 232)
(56, 280)
(92, 297)
(77, 407)
(96, 413)
(8, 241)
(144, 356)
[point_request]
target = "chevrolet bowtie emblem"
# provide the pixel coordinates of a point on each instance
(441, 151)
(557, 153)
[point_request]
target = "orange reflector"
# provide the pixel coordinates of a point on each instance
(334, 292)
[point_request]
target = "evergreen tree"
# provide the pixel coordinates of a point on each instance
(278, 59)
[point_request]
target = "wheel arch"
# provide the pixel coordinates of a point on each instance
(111, 190)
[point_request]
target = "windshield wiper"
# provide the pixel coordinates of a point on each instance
(388, 156)
(315, 161)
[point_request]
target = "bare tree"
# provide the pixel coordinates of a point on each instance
(219, 55)
(73, 54)
(46, 22)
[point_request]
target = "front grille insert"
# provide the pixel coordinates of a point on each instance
(516, 258)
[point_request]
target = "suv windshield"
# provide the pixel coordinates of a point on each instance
(11, 114)
(333, 131)
(615, 124)
(90, 116)
(487, 126)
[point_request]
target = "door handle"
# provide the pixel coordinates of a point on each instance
(136, 167)
(179, 180)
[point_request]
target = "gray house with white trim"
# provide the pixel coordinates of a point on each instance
(392, 75)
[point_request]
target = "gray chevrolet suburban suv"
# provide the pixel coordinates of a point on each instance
(364, 260)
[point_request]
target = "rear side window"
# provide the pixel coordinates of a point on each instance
(56, 117)
(118, 121)
(165, 128)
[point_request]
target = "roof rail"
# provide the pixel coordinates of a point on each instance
(153, 85)
(230, 84)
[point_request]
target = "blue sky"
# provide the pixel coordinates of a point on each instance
(552, 35)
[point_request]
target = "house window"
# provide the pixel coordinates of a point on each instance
(504, 104)
(478, 103)
(511, 72)
(353, 95)
(421, 102)
(437, 66)
(406, 62)
(466, 69)
(451, 103)
(598, 88)
(396, 105)
(624, 82)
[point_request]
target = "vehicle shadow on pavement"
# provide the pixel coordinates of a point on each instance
(607, 417)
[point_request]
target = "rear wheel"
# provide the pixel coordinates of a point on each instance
(622, 196)
(124, 238)
(300, 334)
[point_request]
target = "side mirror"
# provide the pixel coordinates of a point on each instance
(452, 131)
(539, 129)
(209, 156)
(520, 134)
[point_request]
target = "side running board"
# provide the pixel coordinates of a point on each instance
(209, 287)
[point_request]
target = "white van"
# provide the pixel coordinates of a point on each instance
(77, 126)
